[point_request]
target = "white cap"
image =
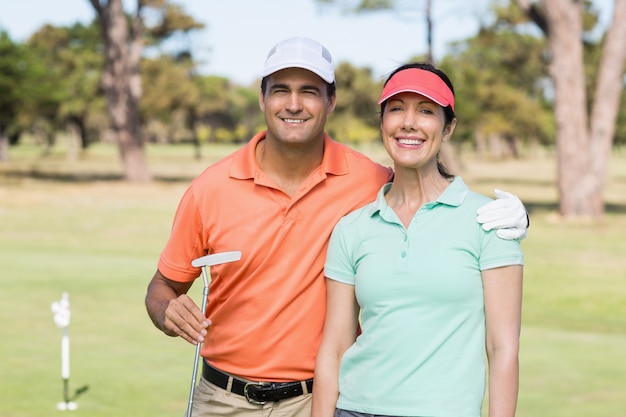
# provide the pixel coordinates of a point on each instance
(299, 52)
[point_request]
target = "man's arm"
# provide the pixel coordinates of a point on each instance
(173, 312)
(507, 214)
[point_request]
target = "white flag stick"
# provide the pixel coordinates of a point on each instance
(65, 354)
(61, 310)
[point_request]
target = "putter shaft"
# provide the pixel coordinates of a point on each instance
(205, 296)
(204, 262)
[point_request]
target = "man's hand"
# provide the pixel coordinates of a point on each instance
(507, 214)
(173, 312)
(183, 318)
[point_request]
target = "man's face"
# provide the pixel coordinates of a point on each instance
(296, 105)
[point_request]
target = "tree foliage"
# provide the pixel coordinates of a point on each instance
(503, 78)
(500, 78)
(355, 118)
(71, 80)
(15, 74)
(123, 43)
(24, 91)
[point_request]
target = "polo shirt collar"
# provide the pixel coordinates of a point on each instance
(245, 166)
(453, 195)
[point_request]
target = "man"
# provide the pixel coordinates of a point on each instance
(277, 200)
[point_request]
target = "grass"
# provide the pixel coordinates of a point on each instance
(72, 225)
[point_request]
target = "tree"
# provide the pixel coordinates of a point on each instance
(69, 80)
(584, 133)
(84, 107)
(16, 80)
(356, 116)
(171, 91)
(213, 108)
(122, 83)
(9, 66)
(499, 77)
(121, 80)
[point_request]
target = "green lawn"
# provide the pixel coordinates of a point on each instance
(71, 225)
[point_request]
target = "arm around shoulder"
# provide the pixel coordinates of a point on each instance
(507, 214)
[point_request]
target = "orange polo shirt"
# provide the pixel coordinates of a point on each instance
(267, 308)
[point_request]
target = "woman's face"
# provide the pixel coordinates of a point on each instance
(413, 128)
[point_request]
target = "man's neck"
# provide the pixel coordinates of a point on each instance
(289, 166)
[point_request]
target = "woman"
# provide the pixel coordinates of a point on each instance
(432, 289)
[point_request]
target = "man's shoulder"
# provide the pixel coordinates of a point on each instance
(352, 152)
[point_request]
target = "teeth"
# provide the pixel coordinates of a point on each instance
(410, 141)
(294, 120)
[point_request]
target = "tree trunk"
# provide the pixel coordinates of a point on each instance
(494, 141)
(575, 182)
(51, 139)
(122, 84)
(4, 145)
(582, 151)
(192, 120)
(72, 140)
(80, 125)
(481, 144)
(429, 31)
(608, 93)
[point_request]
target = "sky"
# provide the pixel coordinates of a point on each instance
(239, 33)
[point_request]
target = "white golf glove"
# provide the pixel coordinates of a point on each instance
(507, 214)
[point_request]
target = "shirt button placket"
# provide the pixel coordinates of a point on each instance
(405, 250)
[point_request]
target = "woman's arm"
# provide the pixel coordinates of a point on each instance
(340, 327)
(503, 311)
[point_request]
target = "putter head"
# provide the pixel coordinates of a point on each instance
(217, 258)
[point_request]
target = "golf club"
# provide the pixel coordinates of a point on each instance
(204, 262)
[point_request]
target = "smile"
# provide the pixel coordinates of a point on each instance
(413, 142)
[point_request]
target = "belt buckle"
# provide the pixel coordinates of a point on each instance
(255, 384)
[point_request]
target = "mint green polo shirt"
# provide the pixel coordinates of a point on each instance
(422, 347)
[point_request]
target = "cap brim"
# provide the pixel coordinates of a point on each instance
(418, 81)
(324, 75)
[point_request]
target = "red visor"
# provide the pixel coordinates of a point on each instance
(415, 80)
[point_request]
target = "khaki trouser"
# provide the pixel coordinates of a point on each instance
(210, 400)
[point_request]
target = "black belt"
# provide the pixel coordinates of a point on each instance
(256, 392)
